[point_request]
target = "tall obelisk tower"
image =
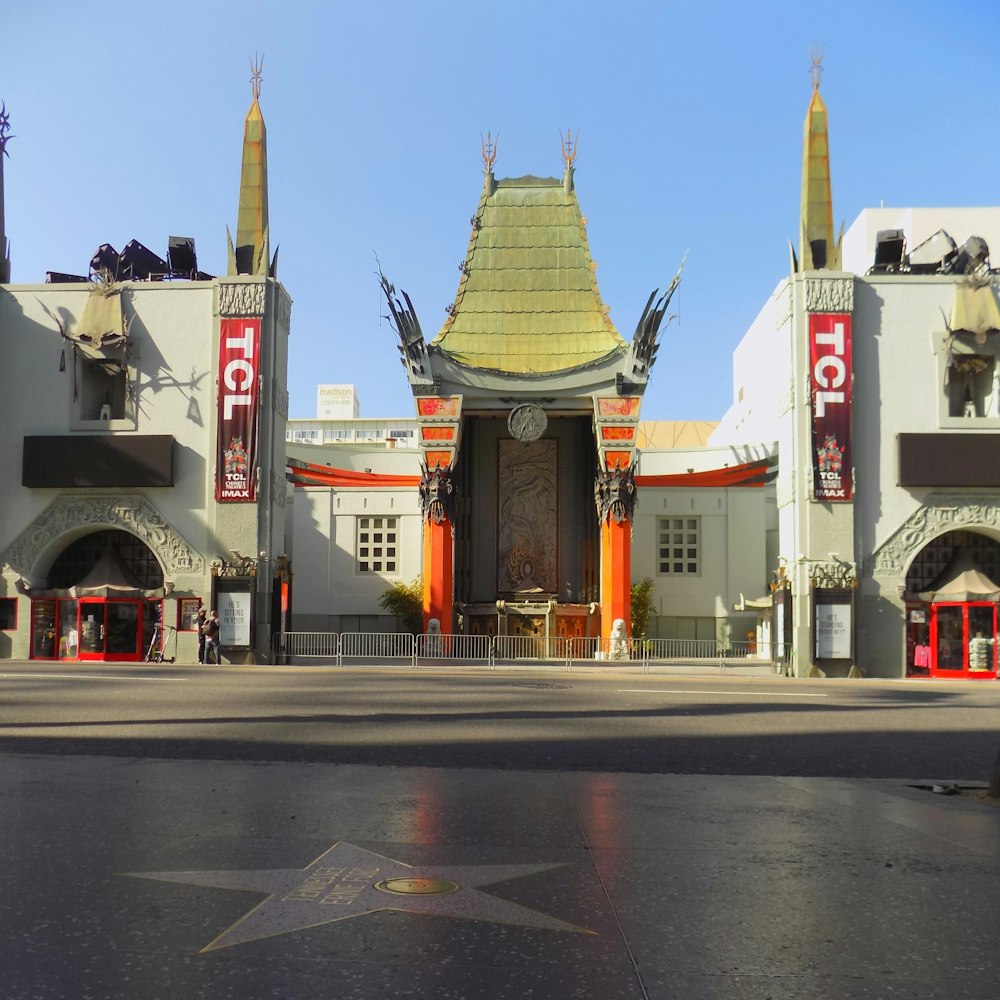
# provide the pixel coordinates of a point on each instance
(252, 252)
(817, 248)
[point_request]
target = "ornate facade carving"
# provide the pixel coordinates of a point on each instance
(242, 299)
(437, 495)
(831, 295)
(279, 487)
(527, 534)
(283, 310)
(132, 513)
(938, 515)
(614, 494)
(280, 396)
(832, 575)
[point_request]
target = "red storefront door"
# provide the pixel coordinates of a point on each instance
(963, 640)
(110, 629)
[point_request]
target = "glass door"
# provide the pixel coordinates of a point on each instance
(121, 635)
(982, 633)
(91, 630)
(109, 630)
(964, 640)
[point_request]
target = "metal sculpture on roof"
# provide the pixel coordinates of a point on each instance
(569, 147)
(490, 149)
(5, 137)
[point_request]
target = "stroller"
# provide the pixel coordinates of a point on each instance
(158, 644)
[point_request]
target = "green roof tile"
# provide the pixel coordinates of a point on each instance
(528, 301)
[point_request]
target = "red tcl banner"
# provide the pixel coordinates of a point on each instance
(830, 382)
(239, 399)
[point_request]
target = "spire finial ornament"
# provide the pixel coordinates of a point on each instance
(4, 244)
(489, 149)
(256, 68)
(569, 147)
(816, 65)
(4, 129)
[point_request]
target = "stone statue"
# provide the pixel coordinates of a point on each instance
(618, 644)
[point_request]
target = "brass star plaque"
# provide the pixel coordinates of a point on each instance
(348, 881)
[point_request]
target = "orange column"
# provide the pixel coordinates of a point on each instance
(616, 574)
(438, 573)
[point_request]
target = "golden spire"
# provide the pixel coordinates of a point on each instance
(252, 252)
(817, 248)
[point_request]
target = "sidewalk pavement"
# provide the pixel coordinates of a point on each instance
(145, 879)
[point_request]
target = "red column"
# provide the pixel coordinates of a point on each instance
(438, 574)
(616, 574)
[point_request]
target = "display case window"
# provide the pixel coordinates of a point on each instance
(69, 630)
(8, 614)
(43, 630)
(187, 614)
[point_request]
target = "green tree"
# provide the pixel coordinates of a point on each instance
(642, 607)
(406, 602)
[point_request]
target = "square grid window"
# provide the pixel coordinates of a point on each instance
(377, 540)
(679, 545)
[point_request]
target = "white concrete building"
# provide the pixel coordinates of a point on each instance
(144, 447)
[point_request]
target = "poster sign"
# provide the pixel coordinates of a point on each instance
(239, 400)
(833, 631)
(830, 383)
(234, 618)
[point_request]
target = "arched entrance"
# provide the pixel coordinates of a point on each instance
(103, 601)
(951, 607)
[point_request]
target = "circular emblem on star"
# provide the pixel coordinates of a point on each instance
(416, 886)
(527, 422)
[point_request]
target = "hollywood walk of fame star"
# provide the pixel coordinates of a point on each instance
(348, 881)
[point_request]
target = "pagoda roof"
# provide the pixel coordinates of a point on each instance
(528, 301)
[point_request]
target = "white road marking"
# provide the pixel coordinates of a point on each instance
(87, 677)
(740, 694)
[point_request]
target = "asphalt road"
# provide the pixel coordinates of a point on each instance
(615, 722)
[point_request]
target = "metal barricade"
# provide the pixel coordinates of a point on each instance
(305, 644)
(606, 651)
(520, 649)
(377, 646)
(444, 648)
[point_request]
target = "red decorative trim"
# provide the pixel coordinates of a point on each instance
(748, 474)
(307, 474)
(439, 406)
(617, 433)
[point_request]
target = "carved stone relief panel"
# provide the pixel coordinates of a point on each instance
(242, 299)
(938, 515)
(283, 310)
(833, 295)
(134, 514)
(279, 489)
(280, 397)
(527, 533)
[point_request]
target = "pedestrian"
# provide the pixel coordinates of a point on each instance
(200, 626)
(212, 639)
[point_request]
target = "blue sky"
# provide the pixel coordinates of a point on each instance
(128, 125)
